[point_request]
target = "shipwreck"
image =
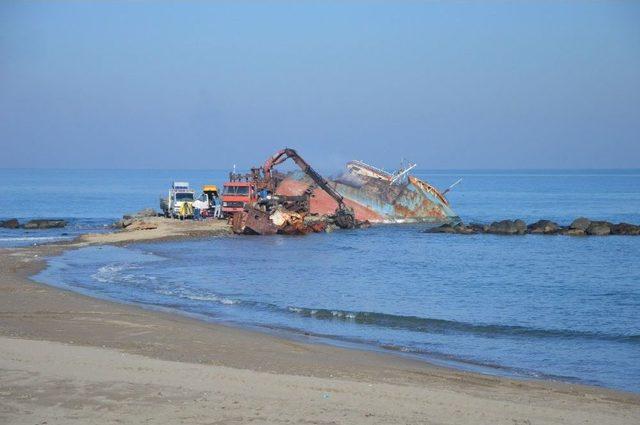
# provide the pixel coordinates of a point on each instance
(303, 201)
(375, 195)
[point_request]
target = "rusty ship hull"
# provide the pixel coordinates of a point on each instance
(374, 199)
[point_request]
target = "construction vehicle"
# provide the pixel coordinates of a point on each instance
(179, 202)
(259, 215)
(239, 191)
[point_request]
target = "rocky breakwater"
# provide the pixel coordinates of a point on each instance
(33, 224)
(579, 227)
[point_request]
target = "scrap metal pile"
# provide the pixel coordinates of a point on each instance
(273, 213)
(305, 202)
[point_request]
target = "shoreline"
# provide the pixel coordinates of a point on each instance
(45, 319)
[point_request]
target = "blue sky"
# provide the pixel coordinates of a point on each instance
(479, 84)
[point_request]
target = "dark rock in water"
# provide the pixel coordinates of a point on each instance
(580, 223)
(479, 228)
(541, 227)
(625, 229)
(44, 224)
(508, 227)
(458, 228)
(545, 227)
(521, 226)
(445, 228)
(568, 231)
(464, 230)
(599, 228)
(10, 224)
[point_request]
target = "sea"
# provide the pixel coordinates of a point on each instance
(545, 307)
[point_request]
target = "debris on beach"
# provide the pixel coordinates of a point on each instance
(579, 227)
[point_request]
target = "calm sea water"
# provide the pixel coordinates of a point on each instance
(534, 306)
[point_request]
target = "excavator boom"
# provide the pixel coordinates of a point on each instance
(345, 217)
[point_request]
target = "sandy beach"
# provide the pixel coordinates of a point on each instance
(66, 358)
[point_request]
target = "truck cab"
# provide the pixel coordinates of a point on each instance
(179, 195)
(236, 193)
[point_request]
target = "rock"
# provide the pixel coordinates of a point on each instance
(598, 228)
(142, 225)
(445, 228)
(508, 227)
(540, 227)
(44, 224)
(545, 227)
(463, 230)
(521, 226)
(12, 223)
(580, 223)
(458, 228)
(625, 229)
(479, 228)
(572, 232)
(147, 212)
(124, 223)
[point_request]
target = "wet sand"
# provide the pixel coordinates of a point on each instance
(66, 358)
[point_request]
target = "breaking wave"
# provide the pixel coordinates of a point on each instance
(109, 273)
(188, 295)
(35, 238)
(441, 326)
(122, 273)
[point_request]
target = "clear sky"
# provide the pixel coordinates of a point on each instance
(478, 84)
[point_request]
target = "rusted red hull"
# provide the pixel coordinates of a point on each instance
(375, 200)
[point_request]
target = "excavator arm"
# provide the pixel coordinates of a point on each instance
(345, 217)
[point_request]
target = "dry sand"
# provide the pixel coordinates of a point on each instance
(66, 358)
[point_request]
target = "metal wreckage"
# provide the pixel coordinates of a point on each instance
(303, 202)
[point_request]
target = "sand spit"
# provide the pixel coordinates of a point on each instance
(158, 229)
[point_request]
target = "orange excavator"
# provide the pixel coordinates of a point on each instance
(256, 217)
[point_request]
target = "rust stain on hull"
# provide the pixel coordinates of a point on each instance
(375, 200)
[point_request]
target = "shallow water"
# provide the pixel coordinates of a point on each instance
(543, 306)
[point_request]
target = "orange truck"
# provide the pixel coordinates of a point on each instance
(236, 193)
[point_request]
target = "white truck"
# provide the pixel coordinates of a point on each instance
(179, 203)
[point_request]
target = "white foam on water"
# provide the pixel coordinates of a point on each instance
(35, 238)
(108, 273)
(215, 298)
(197, 297)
